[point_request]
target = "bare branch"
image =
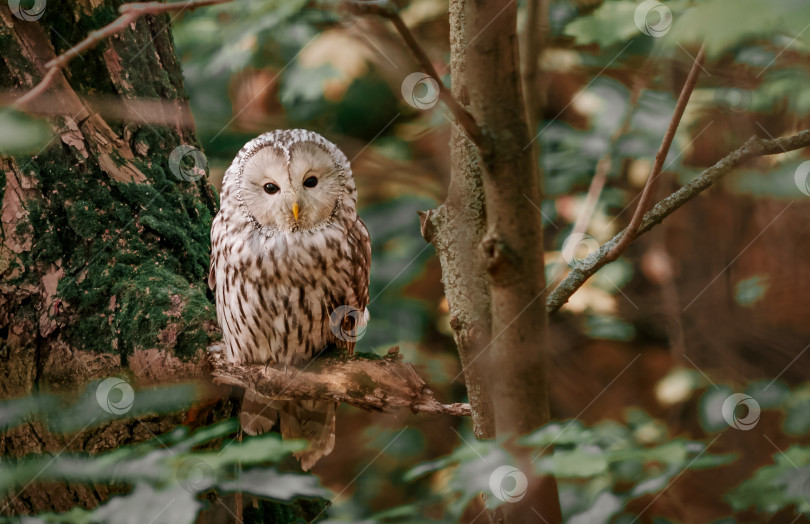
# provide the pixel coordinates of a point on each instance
(374, 385)
(753, 148)
(598, 182)
(386, 9)
(129, 14)
(647, 194)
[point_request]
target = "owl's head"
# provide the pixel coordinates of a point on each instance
(294, 180)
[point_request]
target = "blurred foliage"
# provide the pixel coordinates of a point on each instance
(166, 477)
(20, 134)
(600, 468)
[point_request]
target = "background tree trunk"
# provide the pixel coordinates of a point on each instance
(456, 229)
(489, 238)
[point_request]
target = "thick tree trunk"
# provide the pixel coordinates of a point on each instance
(456, 229)
(104, 248)
(512, 248)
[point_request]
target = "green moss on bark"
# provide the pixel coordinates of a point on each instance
(135, 255)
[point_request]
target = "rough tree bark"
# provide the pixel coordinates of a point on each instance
(456, 229)
(513, 244)
(104, 250)
(490, 243)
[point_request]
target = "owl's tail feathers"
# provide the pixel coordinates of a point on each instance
(310, 420)
(258, 413)
(313, 421)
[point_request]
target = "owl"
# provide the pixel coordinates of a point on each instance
(290, 264)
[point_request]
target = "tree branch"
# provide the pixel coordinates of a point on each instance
(647, 193)
(129, 14)
(374, 385)
(597, 183)
(389, 11)
(753, 148)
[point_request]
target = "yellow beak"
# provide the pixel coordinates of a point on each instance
(295, 210)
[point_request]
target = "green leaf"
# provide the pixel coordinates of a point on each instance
(750, 290)
(725, 24)
(613, 22)
(711, 408)
(267, 482)
(173, 505)
(768, 393)
(253, 450)
(797, 419)
(577, 463)
(773, 488)
(609, 327)
(21, 134)
(558, 433)
(604, 507)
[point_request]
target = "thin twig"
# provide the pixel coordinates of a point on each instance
(389, 11)
(753, 148)
(129, 14)
(600, 177)
(647, 193)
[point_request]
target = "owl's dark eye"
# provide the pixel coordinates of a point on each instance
(311, 182)
(270, 188)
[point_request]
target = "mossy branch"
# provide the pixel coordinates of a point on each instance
(373, 385)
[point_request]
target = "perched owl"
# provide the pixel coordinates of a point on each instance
(289, 267)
